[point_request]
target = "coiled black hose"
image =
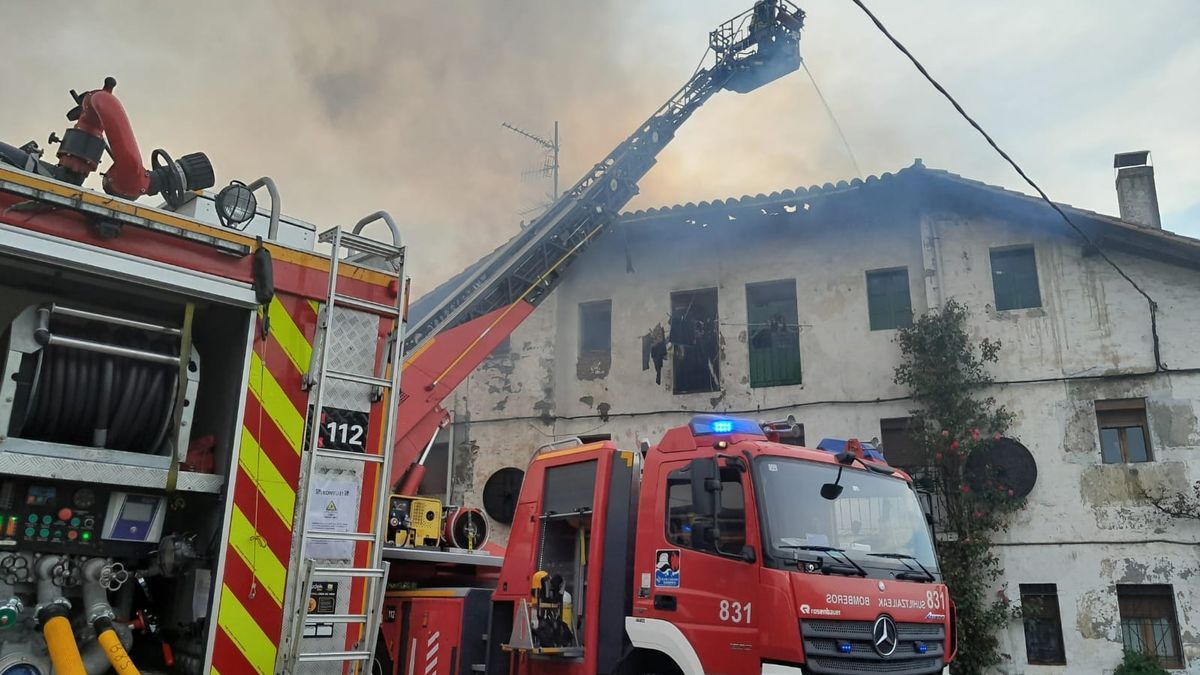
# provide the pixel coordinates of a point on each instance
(87, 398)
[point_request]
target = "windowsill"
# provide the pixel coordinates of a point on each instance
(1040, 310)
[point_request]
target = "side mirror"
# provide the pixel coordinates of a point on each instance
(831, 491)
(706, 487)
(748, 554)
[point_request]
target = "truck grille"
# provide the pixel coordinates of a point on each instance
(821, 648)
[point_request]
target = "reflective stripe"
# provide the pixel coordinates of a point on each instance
(266, 477)
(289, 336)
(242, 630)
(271, 574)
(276, 403)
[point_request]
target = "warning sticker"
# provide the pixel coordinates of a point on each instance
(322, 599)
(666, 568)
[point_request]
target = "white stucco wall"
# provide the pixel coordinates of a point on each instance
(1085, 528)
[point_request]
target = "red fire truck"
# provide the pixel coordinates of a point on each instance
(208, 464)
(718, 550)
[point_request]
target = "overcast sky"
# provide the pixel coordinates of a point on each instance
(357, 106)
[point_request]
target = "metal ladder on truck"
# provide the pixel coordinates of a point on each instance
(322, 377)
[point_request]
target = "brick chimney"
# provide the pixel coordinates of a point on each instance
(1135, 188)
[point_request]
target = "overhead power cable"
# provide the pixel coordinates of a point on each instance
(1158, 365)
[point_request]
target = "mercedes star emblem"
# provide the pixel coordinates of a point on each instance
(883, 634)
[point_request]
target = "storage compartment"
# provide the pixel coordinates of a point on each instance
(94, 429)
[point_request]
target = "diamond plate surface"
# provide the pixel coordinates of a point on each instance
(353, 340)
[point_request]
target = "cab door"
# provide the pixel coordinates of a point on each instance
(705, 579)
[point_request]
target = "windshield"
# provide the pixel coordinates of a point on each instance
(875, 514)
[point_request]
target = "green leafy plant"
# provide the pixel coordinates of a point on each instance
(946, 371)
(1137, 663)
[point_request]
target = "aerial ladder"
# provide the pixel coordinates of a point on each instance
(474, 316)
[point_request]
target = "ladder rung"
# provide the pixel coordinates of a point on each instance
(350, 456)
(341, 536)
(361, 244)
(366, 305)
(314, 619)
(356, 572)
(333, 656)
(361, 379)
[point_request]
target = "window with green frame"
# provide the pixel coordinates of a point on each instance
(1015, 278)
(773, 333)
(888, 301)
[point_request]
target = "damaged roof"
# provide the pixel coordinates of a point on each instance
(918, 186)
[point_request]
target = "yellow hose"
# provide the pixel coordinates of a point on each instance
(116, 654)
(64, 653)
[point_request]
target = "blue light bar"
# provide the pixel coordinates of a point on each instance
(921, 647)
(702, 425)
(845, 647)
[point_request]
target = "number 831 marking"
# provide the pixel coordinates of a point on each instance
(734, 611)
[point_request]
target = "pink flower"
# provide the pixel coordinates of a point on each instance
(953, 445)
(978, 515)
(996, 436)
(964, 488)
(1011, 493)
(945, 433)
(975, 435)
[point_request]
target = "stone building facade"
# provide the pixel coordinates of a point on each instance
(792, 300)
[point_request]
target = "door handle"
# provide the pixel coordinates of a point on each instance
(664, 602)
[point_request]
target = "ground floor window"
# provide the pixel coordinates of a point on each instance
(1148, 622)
(1043, 625)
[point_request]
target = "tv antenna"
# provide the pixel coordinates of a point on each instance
(550, 149)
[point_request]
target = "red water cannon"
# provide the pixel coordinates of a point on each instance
(102, 124)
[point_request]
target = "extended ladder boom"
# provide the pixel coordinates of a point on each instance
(753, 48)
(756, 47)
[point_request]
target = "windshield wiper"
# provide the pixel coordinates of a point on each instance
(858, 571)
(902, 557)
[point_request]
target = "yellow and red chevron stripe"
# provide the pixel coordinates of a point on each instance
(250, 617)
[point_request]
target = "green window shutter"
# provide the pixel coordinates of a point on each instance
(888, 301)
(1015, 279)
(773, 334)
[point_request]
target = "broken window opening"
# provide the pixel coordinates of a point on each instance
(1015, 278)
(695, 341)
(773, 333)
(889, 304)
(1124, 432)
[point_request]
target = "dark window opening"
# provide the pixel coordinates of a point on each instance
(595, 326)
(727, 536)
(1015, 278)
(1148, 623)
(594, 438)
(900, 448)
(500, 494)
(1124, 433)
(695, 341)
(889, 303)
(1043, 625)
(773, 333)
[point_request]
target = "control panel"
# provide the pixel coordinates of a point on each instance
(52, 517)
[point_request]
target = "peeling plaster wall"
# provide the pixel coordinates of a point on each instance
(1085, 527)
